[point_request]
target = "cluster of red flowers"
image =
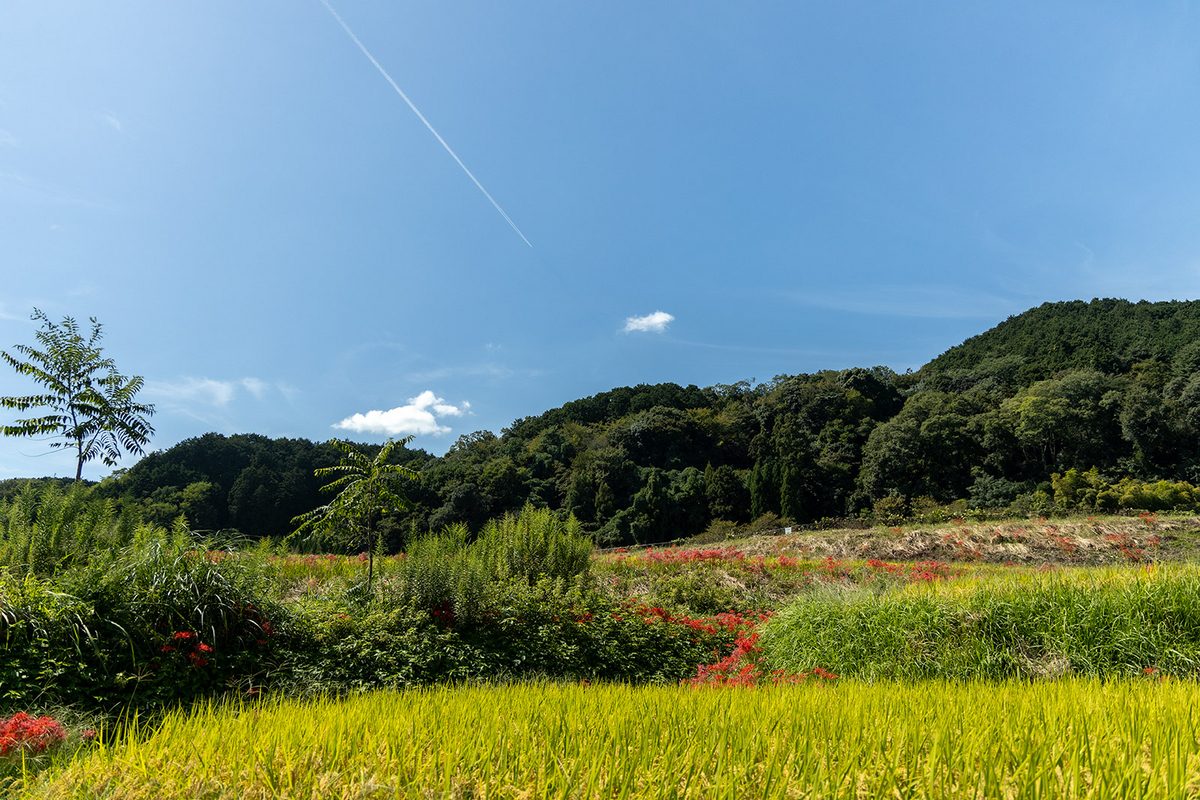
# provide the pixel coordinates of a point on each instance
(729, 621)
(25, 732)
(189, 644)
(1065, 543)
(926, 571)
(962, 549)
(833, 570)
(673, 555)
(827, 570)
(1126, 544)
(443, 614)
(741, 668)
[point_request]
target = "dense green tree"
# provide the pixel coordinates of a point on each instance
(651, 513)
(928, 449)
(662, 437)
(1150, 426)
(581, 496)
(765, 488)
(726, 493)
(689, 503)
(1068, 421)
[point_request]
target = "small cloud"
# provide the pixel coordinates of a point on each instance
(651, 323)
(255, 387)
(419, 417)
(288, 391)
(7, 139)
(204, 391)
(111, 120)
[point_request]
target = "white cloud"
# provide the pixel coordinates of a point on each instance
(651, 323)
(111, 120)
(206, 391)
(255, 387)
(419, 417)
(8, 139)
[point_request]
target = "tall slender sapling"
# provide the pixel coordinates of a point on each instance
(365, 493)
(91, 407)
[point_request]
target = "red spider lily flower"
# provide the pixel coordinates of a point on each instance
(23, 732)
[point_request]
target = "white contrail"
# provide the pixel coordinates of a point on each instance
(400, 92)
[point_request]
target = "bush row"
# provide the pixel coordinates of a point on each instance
(167, 619)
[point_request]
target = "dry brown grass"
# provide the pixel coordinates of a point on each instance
(1092, 540)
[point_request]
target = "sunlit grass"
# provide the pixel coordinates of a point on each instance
(1103, 621)
(1072, 738)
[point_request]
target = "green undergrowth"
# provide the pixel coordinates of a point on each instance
(1101, 622)
(168, 619)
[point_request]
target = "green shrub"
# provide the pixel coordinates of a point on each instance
(167, 618)
(1090, 491)
(891, 510)
(719, 530)
(699, 592)
(550, 628)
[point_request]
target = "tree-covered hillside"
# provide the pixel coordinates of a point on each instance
(1108, 384)
(243, 482)
(1111, 336)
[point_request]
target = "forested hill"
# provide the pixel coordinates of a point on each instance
(1112, 336)
(1107, 384)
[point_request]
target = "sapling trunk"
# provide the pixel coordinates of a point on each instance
(370, 558)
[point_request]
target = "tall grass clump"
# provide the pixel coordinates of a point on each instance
(165, 618)
(1010, 741)
(537, 543)
(1099, 622)
(48, 529)
(444, 571)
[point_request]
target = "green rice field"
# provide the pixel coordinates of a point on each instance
(1071, 738)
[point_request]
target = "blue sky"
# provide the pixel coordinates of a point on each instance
(275, 241)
